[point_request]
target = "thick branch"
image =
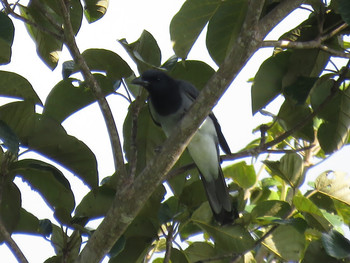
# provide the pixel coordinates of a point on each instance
(96, 89)
(130, 199)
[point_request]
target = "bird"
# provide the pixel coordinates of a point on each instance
(168, 101)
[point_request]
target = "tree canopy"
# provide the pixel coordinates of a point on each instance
(278, 222)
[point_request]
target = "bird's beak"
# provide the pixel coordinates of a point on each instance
(140, 81)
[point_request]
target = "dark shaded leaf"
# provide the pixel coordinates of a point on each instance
(224, 27)
(7, 32)
(28, 223)
(51, 140)
(315, 252)
(344, 10)
(198, 251)
(15, 86)
(299, 90)
(336, 245)
(270, 209)
(95, 9)
(9, 138)
(145, 51)
(268, 80)
(66, 98)
(188, 23)
(48, 181)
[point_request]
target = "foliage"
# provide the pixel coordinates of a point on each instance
(277, 221)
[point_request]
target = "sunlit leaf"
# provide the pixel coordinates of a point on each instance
(189, 22)
(242, 174)
(224, 27)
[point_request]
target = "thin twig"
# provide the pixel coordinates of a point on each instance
(169, 242)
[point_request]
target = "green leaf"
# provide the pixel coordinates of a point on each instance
(336, 185)
(344, 10)
(227, 238)
(287, 242)
(48, 46)
(271, 208)
(198, 251)
(292, 114)
(28, 223)
(316, 253)
(224, 27)
(290, 168)
(9, 138)
(196, 72)
(95, 9)
(268, 80)
(48, 181)
(15, 86)
(51, 140)
(144, 51)
(7, 32)
(336, 245)
(96, 203)
(334, 132)
(244, 175)
(188, 23)
(66, 98)
(178, 256)
(299, 90)
(10, 206)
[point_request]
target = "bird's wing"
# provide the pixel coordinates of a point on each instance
(193, 93)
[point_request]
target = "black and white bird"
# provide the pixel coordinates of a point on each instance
(168, 101)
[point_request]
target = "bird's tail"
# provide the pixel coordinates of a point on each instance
(219, 199)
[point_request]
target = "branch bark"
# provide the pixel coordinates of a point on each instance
(131, 197)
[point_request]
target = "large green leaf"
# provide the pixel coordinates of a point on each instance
(49, 138)
(28, 223)
(292, 114)
(224, 27)
(15, 86)
(344, 10)
(10, 206)
(270, 210)
(316, 253)
(189, 22)
(48, 181)
(198, 251)
(334, 132)
(287, 242)
(227, 238)
(336, 245)
(145, 51)
(268, 80)
(336, 185)
(95, 9)
(7, 32)
(66, 98)
(244, 175)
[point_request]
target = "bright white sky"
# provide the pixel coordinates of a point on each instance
(127, 19)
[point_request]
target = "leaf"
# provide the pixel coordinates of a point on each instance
(268, 80)
(10, 206)
(334, 132)
(187, 24)
(102, 60)
(7, 32)
(336, 245)
(95, 9)
(227, 238)
(336, 185)
(66, 98)
(196, 72)
(289, 168)
(287, 242)
(48, 181)
(243, 174)
(144, 51)
(96, 203)
(316, 253)
(299, 90)
(270, 208)
(291, 114)
(224, 27)
(9, 138)
(28, 223)
(198, 251)
(49, 138)
(15, 86)
(344, 10)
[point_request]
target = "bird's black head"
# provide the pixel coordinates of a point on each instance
(156, 82)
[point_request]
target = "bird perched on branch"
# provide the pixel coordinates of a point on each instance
(168, 101)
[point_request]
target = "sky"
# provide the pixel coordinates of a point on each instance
(127, 19)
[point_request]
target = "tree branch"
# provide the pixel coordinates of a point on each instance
(96, 89)
(130, 199)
